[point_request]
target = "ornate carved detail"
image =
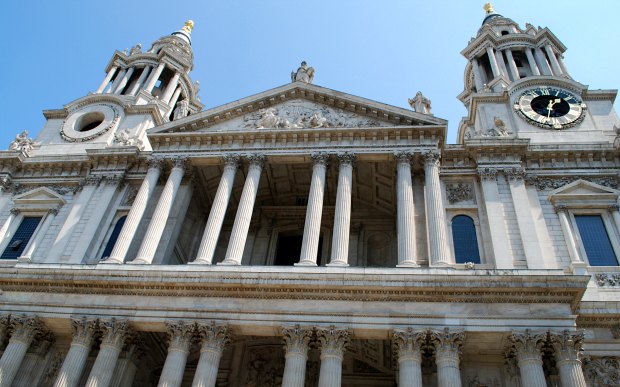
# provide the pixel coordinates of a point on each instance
(346, 158)
(115, 179)
(96, 133)
(460, 192)
(408, 342)
(320, 158)
(420, 103)
(297, 339)
(92, 180)
(431, 158)
(231, 160)
(181, 162)
(561, 208)
(615, 331)
(568, 345)
(303, 74)
(155, 162)
(15, 211)
(447, 343)
(514, 173)
(543, 183)
(180, 334)
(114, 332)
(19, 189)
(25, 328)
(214, 336)
(22, 143)
(527, 344)
(182, 110)
(333, 341)
(498, 130)
(130, 195)
(608, 279)
(53, 211)
(403, 157)
(41, 343)
(83, 331)
(487, 173)
(256, 160)
(613, 208)
(602, 371)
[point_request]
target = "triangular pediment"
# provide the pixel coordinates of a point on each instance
(582, 191)
(298, 105)
(40, 196)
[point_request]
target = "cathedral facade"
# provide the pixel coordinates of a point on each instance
(307, 237)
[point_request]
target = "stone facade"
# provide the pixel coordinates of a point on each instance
(306, 237)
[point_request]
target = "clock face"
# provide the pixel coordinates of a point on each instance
(550, 108)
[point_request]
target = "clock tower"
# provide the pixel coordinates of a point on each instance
(517, 86)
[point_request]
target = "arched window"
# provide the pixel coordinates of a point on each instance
(465, 240)
(113, 237)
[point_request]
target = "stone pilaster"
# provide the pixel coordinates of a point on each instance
(213, 338)
(38, 237)
(137, 211)
(162, 212)
(342, 214)
(218, 211)
(568, 348)
(333, 343)
(527, 348)
(495, 215)
(435, 213)
(73, 365)
(447, 356)
(405, 212)
(239, 234)
(180, 335)
(25, 328)
(314, 211)
(407, 345)
(114, 334)
(296, 342)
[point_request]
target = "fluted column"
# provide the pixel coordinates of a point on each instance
(154, 77)
(114, 334)
(124, 81)
(239, 233)
(25, 329)
(493, 61)
(33, 365)
(106, 80)
(407, 345)
(170, 87)
(73, 365)
(405, 212)
(180, 336)
(527, 348)
(136, 86)
(573, 252)
(532, 61)
(136, 212)
(213, 228)
(447, 351)
(117, 81)
(568, 348)
(27, 254)
(512, 65)
(296, 341)
(557, 70)
(333, 343)
(314, 211)
(502, 63)
(435, 213)
(213, 338)
(342, 214)
(162, 212)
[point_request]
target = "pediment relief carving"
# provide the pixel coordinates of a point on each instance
(581, 191)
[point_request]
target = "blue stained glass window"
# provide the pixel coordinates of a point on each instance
(22, 236)
(596, 240)
(465, 240)
(114, 236)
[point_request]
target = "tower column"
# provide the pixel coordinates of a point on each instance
(180, 336)
(213, 228)
(150, 84)
(117, 80)
(493, 61)
(447, 351)
(314, 211)
(342, 215)
(136, 86)
(214, 338)
(435, 213)
(24, 331)
(123, 82)
(501, 63)
(557, 71)
(114, 334)
(543, 65)
(51, 215)
(573, 252)
(296, 340)
(170, 87)
(531, 61)
(560, 59)
(405, 212)
(477, 75)
(568, 347)
(162, 212)
(73, 365)
(173, 100)
(408, 347)
(106, 80)
(512, 65)
(239, 233)
(527, 348)
(333, 343)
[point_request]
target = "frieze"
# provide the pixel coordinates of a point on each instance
(460, 193)
(19, 189)
(602, 371)
(608, 279)
(544, 183)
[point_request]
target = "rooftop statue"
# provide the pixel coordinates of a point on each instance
(303, 74)
(420, 103)
(22, 142)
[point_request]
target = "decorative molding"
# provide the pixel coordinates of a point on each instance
(515, 173)
(608, 279)
(114, 332)
(460, 192)
(214, 336)
(487, 173)
(544, 183)
(408, 342)
(333, 341)
(320, 158)
(602, 371)
(83, 331)
(180, 334)
(297, 339)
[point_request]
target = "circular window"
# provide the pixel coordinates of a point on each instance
(89, 121)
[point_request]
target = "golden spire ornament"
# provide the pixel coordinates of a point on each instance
(489, 8)
(189, 26)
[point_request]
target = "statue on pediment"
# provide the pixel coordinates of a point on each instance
(22, 142)
(125, 138)
(181, 110)
(269, 119)
(318, 121)
(137, 49)
(303, 74)
(420, 103)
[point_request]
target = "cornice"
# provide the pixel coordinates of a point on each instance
(489, 37)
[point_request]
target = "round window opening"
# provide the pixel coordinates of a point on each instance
(90, 121)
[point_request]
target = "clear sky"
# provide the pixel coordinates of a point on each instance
(56, 51)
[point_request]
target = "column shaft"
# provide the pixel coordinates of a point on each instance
(314, 211)
(405, 212)
(106, 80)
(493, 61)
(173, 100)
(532, 61)
(495, 215)
(73, 365)
(331, 371)
(477, 75)
(557, 71)
(408, 346)
(123, 83)
(435, 213)
(214, 339)
(174, 368)
(170, 87)
(571, 373)
(7, 223)
(512, 65)
(527, 348)
(114, 333)
(296, 340)
(502, 64)
(136, 86)
(615, 214)
(573, 252)
(342, 214)
(543, 65)
(532, 374)
(11, 359)
(447, 351)
(150, 84)
(333, 342)
(117, 80)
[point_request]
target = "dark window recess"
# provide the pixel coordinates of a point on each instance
(288, 250)
(596, 240)
(22, 236)
(115, 233)
(465, 240)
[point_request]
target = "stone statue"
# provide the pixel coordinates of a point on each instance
(124, 138)
(318, 121)
(196, 86)
(499, 129)
(269, 120)
(181, 110)
(420, 103)
(303, 74)
(137, 49)
(22, 142)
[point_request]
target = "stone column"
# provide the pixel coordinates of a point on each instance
(214, 338)
(170, 87)
(117, 80)
(296, 341)
(162, 212)
(150, 84)
(573, 252)
(25, 329)
(7, 223)
(568, 349)
(531, 61)
(213, 228)
(447, 351)
(106, 80)
(407, 345)
(526, 347)
(136, 86)
(137, 211)
(173, 100)
(333, 343)
(314, 211)
(495, 215)
(243, 218)
(73, 365)
(124, 81)
(477, 75)
(33, 365)
(560, 59)
(114, 334)
(342, 214)
(493, 61)
(543, 65)
(557, 70)
(405, 225)
(615, 214)
(512, 65)
(435, 213)
(27, 254)
(502, 63)
(180, 336)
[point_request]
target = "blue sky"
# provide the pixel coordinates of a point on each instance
(386, 51)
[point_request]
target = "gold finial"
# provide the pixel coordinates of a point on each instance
(189, 26)
(489, 8)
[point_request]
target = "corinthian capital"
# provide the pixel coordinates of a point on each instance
(297, 339)
(231, 160)
(446, 342)
(431, 157)
(346, 158)
(25, 328)
(180, 335)
(333, 341)
(114, 332)
(214, 337)
(320, 158)
(528, 344)
(568, 345)
(256, 160)
(408, 342)
(155, 162)
(486, 173)
(403, 157)
(181, 163)
(83, 331)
